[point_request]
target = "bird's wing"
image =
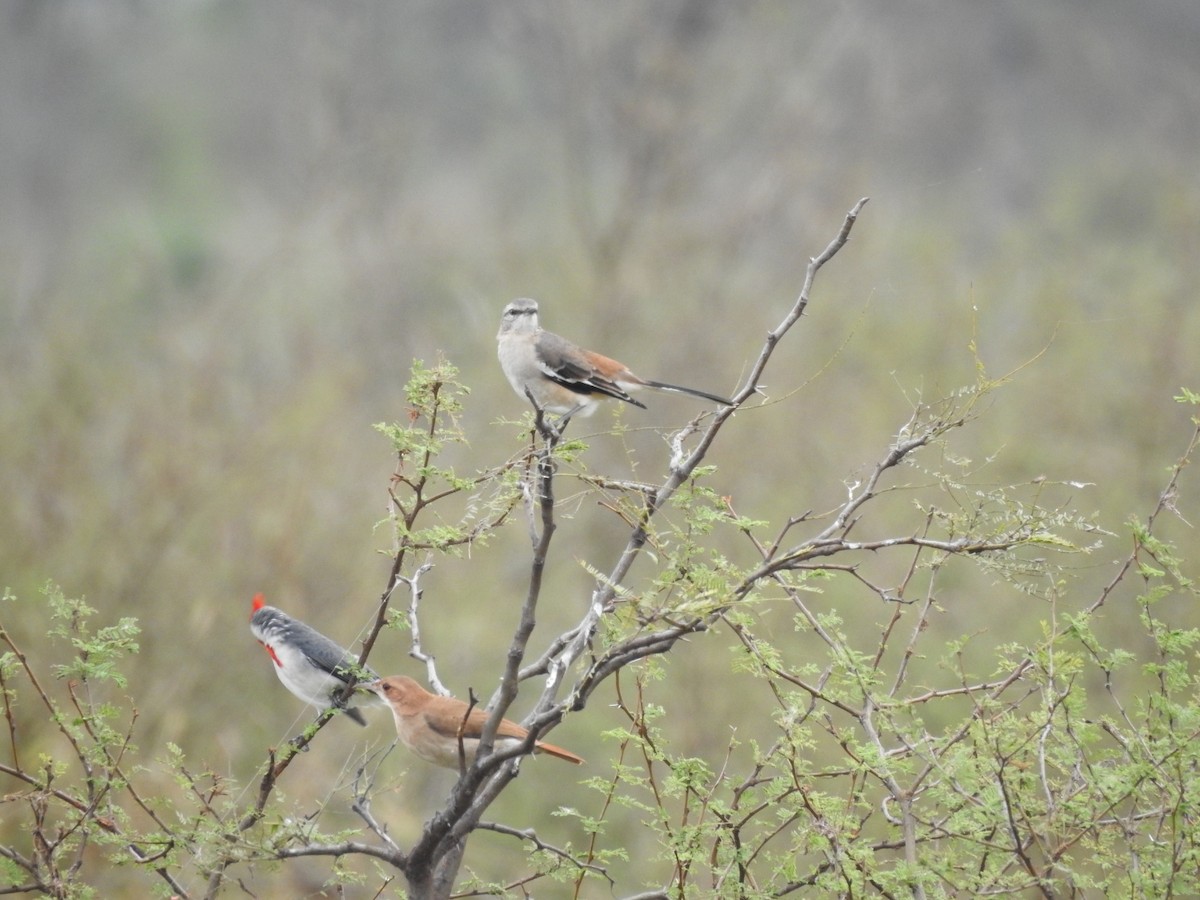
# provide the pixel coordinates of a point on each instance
(328, 656)
(446, 723)
(578, 370)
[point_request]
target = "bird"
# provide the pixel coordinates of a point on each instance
(310, 665)
(429, 725)
(561, 377)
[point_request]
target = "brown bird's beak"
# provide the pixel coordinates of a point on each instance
(372, 686)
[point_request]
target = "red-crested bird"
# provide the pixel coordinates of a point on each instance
(309, 664)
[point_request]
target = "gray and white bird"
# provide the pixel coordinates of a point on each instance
(561, 377)
(309, 664)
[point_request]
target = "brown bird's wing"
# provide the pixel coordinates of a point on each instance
(579, 370)
(446, 717)
(451, 717)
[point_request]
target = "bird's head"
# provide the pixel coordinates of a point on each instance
(266, 621)
(520, 316)
(400, 692)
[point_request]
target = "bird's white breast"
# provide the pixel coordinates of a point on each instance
(302, 678)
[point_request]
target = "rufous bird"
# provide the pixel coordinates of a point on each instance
(429, 725)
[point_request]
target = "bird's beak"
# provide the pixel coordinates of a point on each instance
(372, 686)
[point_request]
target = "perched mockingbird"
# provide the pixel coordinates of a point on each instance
(561, 377)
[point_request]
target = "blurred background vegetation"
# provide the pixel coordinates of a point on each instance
(227, 229)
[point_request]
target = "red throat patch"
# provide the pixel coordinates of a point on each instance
(271, 653)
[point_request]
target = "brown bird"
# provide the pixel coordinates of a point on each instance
(429, 725)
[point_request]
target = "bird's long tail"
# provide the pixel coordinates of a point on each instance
(679, 389)
(543, 747)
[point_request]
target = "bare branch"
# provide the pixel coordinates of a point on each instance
(416, 651)
(528, 834)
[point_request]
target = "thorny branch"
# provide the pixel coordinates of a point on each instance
(100, 783)
(1033, 847)
(683, 465)
(478, 786)
(528, 834)
(362, 803)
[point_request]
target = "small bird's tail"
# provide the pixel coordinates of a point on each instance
(679, 389)
(543, 747)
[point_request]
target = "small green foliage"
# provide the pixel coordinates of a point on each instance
(70, 789)
(1189, 397)
(97, 653)
(435, 397)
(1022, 752)
(465, 509)
(570, 451)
